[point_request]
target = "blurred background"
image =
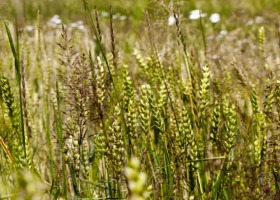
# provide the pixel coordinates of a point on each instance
(73, 9)
(238, 20)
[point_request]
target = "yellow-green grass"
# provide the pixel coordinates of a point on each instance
(196, 102)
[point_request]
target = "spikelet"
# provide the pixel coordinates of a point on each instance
(129, 107)
(155, 70)
(181, 135)
(156, 120)
(225, 108)
(192, 152)
(85, 158)
(204, 90)
(100, 83)
(74, 149)
(144, 109)
(143, 65)
(54, 100)
(116, 143)
(180, 152)
(191, 141)
(14, 143)
(257, 152)
(269, 101)
(111, 64)
(261, 39)
(132, 123)
(254, 101)
(22, 160)
(47, 79)
(99, 140)
(231, 129)
(10, 105)
(128, 91)
(178, 137)
(162, 101)
(136, 180)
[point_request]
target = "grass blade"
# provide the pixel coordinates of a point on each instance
(18, 77)
(6, 150)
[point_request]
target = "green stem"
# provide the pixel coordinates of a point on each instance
(15, 52)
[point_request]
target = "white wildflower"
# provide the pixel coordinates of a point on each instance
(55, 21)
(259, 20)
(196, 14)
(123, 17)
(79, 25)
(171, 20)
(116, 16)
(215, 18)
(223, 32)
(29, 28)
(105, 14)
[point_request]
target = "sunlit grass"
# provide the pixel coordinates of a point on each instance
(146, 100)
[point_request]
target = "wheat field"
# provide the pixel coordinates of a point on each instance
(152, 99)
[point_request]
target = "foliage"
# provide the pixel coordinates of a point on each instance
(134, 106)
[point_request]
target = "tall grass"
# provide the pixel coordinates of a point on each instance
(176, 115)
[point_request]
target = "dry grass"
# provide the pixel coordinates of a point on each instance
(196, 102)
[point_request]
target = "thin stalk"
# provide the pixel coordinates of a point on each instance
(203, 34)
(208, 159)
(217, 186)
(48, 132)
(15, 51)
(96, 32)
(108, 181)
(99, 43)
(200, 186)
(162, 72)
(74, 181)
(188, 66)
(169, 181)
(58, 127)
(6, 150)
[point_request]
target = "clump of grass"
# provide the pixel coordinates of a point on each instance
(200, 123)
